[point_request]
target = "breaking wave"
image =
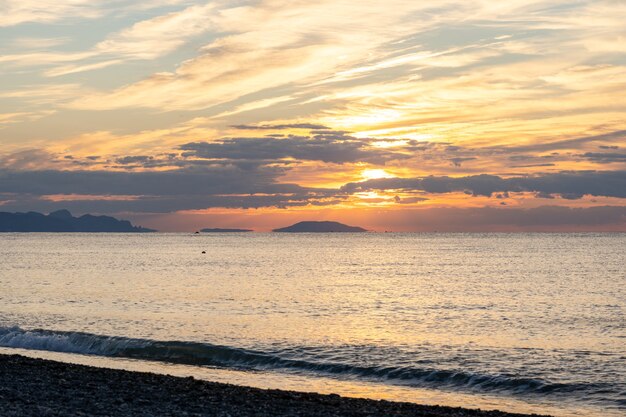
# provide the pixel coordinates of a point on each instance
(205, 354)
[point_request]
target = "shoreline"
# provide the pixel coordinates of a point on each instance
(41, 387)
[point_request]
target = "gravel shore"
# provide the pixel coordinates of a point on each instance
(36, 387)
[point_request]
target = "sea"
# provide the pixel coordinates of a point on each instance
(523, 322)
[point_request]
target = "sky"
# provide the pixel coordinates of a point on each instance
(444, 115)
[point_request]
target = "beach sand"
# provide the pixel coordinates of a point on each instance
(37, 387)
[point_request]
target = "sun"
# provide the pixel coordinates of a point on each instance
(374, 174)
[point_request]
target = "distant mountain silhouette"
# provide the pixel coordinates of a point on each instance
(63, 221)
(319, 227)
(218, 230)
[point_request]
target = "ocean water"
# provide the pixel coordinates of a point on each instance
(522, 322)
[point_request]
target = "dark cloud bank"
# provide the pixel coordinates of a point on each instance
(234, 187)
(233, 180)
(325, 146)
(157, 191)
(571, 185)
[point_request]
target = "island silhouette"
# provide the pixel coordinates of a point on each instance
(320, 227)
(63, 221)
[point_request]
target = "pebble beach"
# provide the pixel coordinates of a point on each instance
(36, 387)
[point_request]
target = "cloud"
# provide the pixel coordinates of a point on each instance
(570, 185)
(445, 71)
(155, 191)
(217, 180)
(605, 157)
(15, 12)
(458, 161)
(230, 186)
(331, 148)
(7, 118)
(160, 35)
(408, 200)
(265, 45)
(73, 69)
(533, 165)
(574, 143)
(38, 43)
(162, 203)
(28, 159)
(281, 126)
(126, 160)
(146, 39)
(44, 96)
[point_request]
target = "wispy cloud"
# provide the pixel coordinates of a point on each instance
(14, 12)
(146, 39)
(7, 118)
(72, 69)
(269, 44)
(38, 43)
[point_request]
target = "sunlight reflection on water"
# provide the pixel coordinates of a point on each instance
(501, 307)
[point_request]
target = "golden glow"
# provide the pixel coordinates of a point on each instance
(373, 174)
(389, 143)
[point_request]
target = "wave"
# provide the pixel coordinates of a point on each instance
(205, 354)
